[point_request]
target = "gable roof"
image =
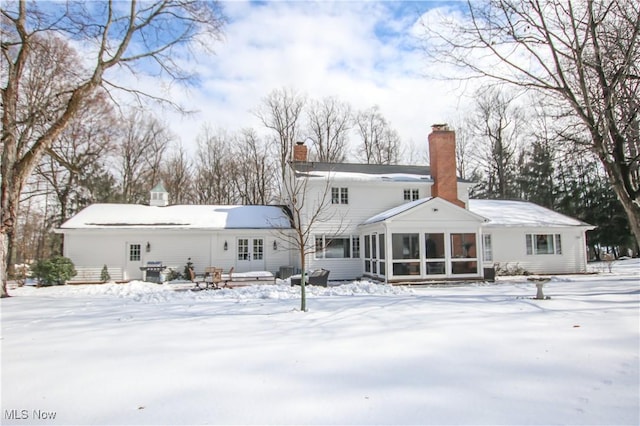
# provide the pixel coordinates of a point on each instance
(136, 216)
(387, 214)
(395, 211)
(495, 213)
(520, 213)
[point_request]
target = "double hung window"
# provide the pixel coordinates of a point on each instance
(339, 195)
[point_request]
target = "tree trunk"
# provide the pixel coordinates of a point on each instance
(303, 287)
(4, 246)
(631, 209)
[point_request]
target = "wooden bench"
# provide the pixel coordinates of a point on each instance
(248, 278)
(215, 278)
(212, 278)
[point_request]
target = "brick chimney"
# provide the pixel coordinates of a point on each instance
(442, 155)
(300, 152)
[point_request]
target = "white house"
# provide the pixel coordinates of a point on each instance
(126, 237)
(388, 222)
(416, 223)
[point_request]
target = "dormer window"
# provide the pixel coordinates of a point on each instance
(339, 195)
(411, 194)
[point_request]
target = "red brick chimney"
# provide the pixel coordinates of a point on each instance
(442, 155)
(300, 152)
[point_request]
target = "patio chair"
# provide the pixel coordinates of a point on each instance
(316, 277)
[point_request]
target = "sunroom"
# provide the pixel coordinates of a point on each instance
(424, 240)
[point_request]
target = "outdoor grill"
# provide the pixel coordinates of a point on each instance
(152, 272)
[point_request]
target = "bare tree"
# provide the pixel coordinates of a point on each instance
(310, 205)
(584, 55)
(255, 174)
(380, 144)
(329, 122)
(465, 145)
(281, 112)
(498, 125)
(87, 140)
(214, 168)
(176, 173)
(153, 33)
(48, 69)
(139, 155)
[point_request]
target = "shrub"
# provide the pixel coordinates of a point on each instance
(509, 269)
(187, 270)
(104, 274)
(54, 271)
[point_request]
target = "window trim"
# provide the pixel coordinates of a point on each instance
(135, 252)
(487, 248)
(410, 194)
(339, 195)
(320, 246)
(532, 247)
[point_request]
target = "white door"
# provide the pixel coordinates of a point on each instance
(250, 256)
(134, 261)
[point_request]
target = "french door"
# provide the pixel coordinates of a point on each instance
(250, 255)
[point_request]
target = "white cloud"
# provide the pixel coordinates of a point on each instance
(361, 52)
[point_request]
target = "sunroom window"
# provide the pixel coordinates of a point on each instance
(435, 254)
(463, 253)
(406, 254)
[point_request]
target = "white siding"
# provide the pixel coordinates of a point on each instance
(95, 248)
(366, 199)
(434, 216)
(509, 249)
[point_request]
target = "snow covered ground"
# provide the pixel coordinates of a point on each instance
(365, 353)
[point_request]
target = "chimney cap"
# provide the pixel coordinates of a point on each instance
(440, 127)
(300, 143)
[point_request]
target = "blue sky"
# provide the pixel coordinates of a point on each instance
(364, 53)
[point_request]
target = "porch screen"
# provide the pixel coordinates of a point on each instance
(367, 253)
(464, 254)
(435, 254)
(382, 268)
(405, 247)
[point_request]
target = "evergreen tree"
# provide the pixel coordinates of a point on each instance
(585, 193)
(536, 179)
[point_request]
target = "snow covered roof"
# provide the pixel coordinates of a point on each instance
(362, 172)
(520, 213)
(387, 214)
(100, 216)
(496, 212)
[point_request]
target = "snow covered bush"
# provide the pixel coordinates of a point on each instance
(510, 270)
(54, 271)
